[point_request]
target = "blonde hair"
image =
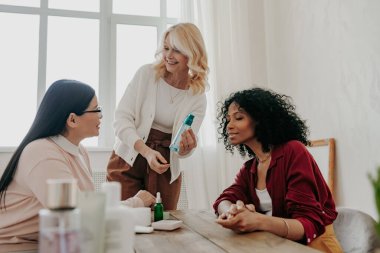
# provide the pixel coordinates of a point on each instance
(187, 38)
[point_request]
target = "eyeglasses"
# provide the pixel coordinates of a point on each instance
(98, 110)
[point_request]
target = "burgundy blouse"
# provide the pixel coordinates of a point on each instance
(295, 184)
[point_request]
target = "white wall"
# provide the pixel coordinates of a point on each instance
(326, 55)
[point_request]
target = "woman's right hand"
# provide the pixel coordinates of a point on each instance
(154, 158)
(156, 161)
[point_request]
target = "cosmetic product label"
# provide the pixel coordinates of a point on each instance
(55, 241)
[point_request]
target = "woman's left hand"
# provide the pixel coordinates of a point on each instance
(188, 142)
(147, 198)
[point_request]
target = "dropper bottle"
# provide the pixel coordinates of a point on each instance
(158, 208)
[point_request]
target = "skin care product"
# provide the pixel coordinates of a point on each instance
(174, 146)
(92, 215)
(119, 233)
(60, 223)
(158, 208)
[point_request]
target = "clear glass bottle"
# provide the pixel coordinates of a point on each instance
(158, 208)
(174, 146)
(60, 223)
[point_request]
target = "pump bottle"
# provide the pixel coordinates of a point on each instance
(158, 208)
(174, 146)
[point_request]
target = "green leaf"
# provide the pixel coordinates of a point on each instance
(376, 188)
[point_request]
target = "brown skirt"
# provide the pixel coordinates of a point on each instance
(141, 177)
(327, 242)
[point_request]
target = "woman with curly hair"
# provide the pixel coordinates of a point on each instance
(153, 107)
(281, 189)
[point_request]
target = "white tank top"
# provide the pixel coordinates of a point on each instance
(167, 102)
(265, 201)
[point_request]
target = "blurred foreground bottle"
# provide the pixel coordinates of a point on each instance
(60, 223)
(120, 225)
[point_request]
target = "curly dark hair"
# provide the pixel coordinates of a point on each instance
(274, 115)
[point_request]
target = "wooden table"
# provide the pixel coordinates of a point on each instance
(200, 233)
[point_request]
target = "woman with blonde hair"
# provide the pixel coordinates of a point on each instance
(151, 111)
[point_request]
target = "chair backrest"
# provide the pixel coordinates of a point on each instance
(355, 231)
(99, 177)
(323, 151)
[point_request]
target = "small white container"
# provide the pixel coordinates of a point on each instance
(167, 224)
(142, 216)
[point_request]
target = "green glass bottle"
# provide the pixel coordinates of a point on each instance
(158, 208)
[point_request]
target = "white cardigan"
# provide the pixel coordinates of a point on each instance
(135, 113)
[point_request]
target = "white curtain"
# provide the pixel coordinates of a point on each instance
(233, 31)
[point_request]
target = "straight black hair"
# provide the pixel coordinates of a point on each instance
(62, 98)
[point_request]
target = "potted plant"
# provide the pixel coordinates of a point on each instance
(376, 187)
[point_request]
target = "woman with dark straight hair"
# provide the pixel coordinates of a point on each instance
(51, 149)
(68, 113)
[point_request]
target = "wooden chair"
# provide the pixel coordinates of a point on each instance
(323, 151)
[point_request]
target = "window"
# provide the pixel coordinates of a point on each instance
(99, 42)
(72, 44)
(140, 7)
(19, 72)
(136, 45)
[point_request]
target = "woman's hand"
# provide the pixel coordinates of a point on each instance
(240, 218)
(244, 221)
(154, 158)
(156, 161)
(187, 143)
(146, 197)
(234, 209)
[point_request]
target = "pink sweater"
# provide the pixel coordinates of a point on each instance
(26, 195)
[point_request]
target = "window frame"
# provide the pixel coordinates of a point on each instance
(107, 52)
